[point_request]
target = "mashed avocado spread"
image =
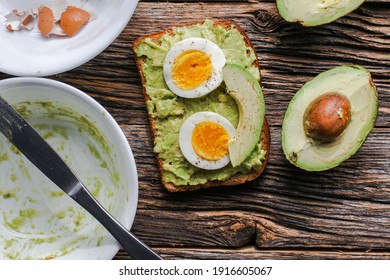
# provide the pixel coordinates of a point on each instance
(169, 111)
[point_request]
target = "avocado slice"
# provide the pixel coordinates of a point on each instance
(352, 83)
(315, 12)
(247, 93)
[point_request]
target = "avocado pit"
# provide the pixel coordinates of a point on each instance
(327, 117)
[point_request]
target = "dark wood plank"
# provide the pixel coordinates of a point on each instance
(253, 253)
(287, 213)
(235, 1)
(284, 208)
(343, 208)
(289, 54)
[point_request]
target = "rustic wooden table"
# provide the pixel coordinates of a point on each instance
(343, 213)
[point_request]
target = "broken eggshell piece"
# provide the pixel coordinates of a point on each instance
(16, 20)
(54, 19)
(45, 20)
(68, 20)
(73, 19)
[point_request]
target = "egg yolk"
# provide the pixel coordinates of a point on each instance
(210, 140)
(191, 68)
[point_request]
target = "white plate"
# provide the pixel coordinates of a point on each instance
(28, 53)
(37, 219)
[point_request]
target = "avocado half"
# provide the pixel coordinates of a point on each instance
(352, 83)
(315, 12)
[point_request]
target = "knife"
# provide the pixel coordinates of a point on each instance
(16, 129)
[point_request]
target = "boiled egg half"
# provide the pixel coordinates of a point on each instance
(203, 140)
(193, 67)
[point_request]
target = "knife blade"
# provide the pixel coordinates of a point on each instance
(25, 138)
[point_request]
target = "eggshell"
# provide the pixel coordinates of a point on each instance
(73, 19)
(13, 21)
(45, 20)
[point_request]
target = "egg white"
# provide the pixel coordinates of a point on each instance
(185, 139)
(217, 58)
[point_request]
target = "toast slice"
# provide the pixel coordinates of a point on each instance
(157, 40)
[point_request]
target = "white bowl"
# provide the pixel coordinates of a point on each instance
(37, 219)
(28, 53)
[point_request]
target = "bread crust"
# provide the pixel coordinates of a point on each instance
(235, 179)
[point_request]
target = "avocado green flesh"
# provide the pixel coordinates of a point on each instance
(169, 111)
(315, 12)
(354, 82)
(248, 95)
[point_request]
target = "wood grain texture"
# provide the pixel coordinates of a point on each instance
(235, 1)
(254, 253)
(288, 213)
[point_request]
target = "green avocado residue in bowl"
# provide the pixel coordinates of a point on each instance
(37, 220)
